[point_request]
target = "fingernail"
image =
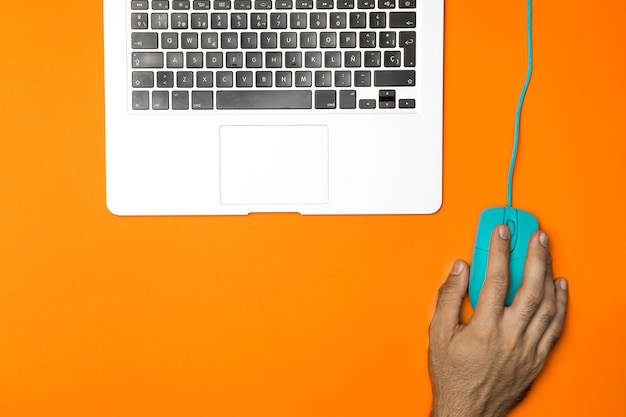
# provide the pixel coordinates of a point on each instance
(543, 239)
(457, 268)
(563, 284)
(504, 232)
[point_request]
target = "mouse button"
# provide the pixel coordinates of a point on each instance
(512, 222)
(489, 218)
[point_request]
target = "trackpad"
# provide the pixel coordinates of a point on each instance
(274, 164)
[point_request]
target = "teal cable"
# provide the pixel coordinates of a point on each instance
(520, 103)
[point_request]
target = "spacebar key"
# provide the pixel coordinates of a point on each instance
(394, 78)
(250, 100)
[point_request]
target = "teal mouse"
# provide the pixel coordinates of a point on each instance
(522, 225)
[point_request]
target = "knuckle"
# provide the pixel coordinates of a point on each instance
(531, 304)
(544, 322)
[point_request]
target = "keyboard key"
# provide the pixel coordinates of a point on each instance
(201, 5)
(243, 5)
(160, 100)
(181, 5)
(283, 79)
(175, 60)
(244, 79)
(199, 20)
(239, 21)
(288, 40)
(402, 19)
(219, 21)
(407, 4)
(143, 79)
(201, 100)
(392, 59)
(304, 4)
(204, 79)
(328, 40)
(338, 20)
(269, 40)
(147, 59)
(254, 60)
(352, 59)
(169, 40)
(229, 40)
(273, 59)
(406, 103)
(194, 60)
(323, 79)
(407, 42)
(208, 40)
(308, 40)
(387, 39)
(324, 4)
(184, 79)
(248, 40)
(258, 20)
(180, 100)
(283, 4)
(297, 20)
(159, 21)
(362, 78)
(386, 4)
(365, 4)
(263, 4)
(139, 21)
(273, 99)
(165, 79)
(304, 79)
(400, 78)
(180, 20)
(189, 40)
(224, 79)
(139, 5)
(343, 79)
(143, 40)
(313, 59)
(222, 5)
(293, 59)
(160, 5)
(317, 20)
(234, 59)
(263, 79)
(278, 20)
(214, 60)
(332, 59)
(347, 99)
(367, 39)
(372, 59)
(367, 104)
(141, 100)
(325, 99)
(377, 20)
(347, 40)
(345, 4)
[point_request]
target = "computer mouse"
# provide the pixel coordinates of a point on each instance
(522, 225)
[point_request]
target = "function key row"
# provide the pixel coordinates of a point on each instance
(271, 4)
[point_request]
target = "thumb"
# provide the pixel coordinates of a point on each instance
(450, 299)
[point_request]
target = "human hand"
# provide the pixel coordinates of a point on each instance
(485, 367)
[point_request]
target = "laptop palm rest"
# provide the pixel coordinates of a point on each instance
(274, 165)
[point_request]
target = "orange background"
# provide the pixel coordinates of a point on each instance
(283, 315)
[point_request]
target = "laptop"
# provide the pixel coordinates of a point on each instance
(231, 107)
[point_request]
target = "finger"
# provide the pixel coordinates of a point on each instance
(547, 309)
(530, 295)
(449, 301)
(493, 294)
(552, 334)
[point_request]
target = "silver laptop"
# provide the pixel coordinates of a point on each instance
(241, 106)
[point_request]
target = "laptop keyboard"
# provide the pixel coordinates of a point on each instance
(317, 55)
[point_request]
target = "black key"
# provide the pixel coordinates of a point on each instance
(234, 59)
(194, 60)
(297, 21)
(165, 79)
(345, 4)
(160, 4)
(254, 60)
(366, 4)
(214, 60)
(175, 60)
(143, 40)
(139, 20)
(263, 4)
(362, 78)
(248, 40)
(273, 99)
(147, 59)
(304, 79)
(181, 5)
(325, 99)
(288, 40)
(386, 4)
(401, 78)
(293, 59)
(392, 58)
(243, 4)
(407, 4)
(377, 20)
(406, 103)
(357, 20)
(402, 19)
(139, 5)
(283, 4)
(352, 59)
(179, 20)
(159, 21)
(184, 79)
(347, 40)
(387, 39)
(219, 21)
(304, 4)
(169, 40)
(273, 59)
(317, 20)
(180, 100)
(202, 100)
(201, 5)
(258, 20)
(323, 79)
(244, 79)
(204, 79)
(143, 79)
(239, 21)
(278, 20)
(347, 99)
(208, 40)
(221, 4)
(224, 79)
(229, 40)
(160, 100)
(189, 40)
(264, 79)
(283, 78)
(367, 104)
(324, 4)
(338, 20)
(199, 20)
(343, 79)
(367, 39)
(141, 100)
(407, 42)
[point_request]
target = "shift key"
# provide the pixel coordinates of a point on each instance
(147, 59)
(400, 78)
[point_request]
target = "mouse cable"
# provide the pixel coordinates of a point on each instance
(520, 103)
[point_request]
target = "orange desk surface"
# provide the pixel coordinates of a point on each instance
(283, 315)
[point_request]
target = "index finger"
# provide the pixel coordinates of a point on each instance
(492, 297)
